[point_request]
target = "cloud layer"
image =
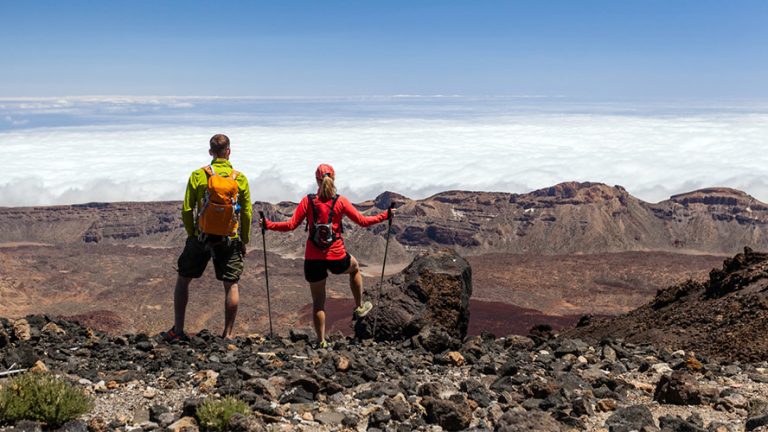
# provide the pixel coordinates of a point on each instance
(124, 149)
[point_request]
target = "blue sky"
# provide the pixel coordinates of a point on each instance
(583, 49)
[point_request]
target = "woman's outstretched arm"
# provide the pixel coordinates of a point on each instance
(298, 216)
(355, 216)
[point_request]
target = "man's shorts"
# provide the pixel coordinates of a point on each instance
(317, 270)
(227, 259)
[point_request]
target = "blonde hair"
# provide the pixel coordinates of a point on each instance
(327, 188)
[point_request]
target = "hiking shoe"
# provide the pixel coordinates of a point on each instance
(362, 310)
(172, 336)
(323, 345)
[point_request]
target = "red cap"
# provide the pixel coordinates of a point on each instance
(324, 170)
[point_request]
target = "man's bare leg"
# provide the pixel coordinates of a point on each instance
(355, 281)
(231, 301)
(318, 308)
(180, 299)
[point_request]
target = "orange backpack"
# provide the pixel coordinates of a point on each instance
(219, 211)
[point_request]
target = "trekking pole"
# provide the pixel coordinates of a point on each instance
(384, 266)
(266, 269)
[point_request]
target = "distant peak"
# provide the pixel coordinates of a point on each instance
(582, 191)
(384, 200)
(715, 196)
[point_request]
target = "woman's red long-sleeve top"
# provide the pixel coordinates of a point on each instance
(323, 209)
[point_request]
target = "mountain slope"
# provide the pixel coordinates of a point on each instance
(725, 317)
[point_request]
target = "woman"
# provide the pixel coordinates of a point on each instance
(325, 249)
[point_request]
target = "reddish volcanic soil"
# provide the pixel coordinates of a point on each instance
(583, 284)
(119, 288)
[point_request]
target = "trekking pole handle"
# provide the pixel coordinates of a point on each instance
(262, 222)
(390, 215)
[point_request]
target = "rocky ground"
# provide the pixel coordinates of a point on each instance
(411, 365)
(485, 383)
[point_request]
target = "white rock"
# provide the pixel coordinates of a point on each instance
(679, 353)
(150, 393)
(609, 354)
(737, 400)
(100, 386)
(661, 368)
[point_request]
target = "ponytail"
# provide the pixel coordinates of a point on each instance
(327, 188)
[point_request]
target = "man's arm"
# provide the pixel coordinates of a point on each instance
(187, 209)
(246, 212)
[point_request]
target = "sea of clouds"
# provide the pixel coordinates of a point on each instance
(83, 149)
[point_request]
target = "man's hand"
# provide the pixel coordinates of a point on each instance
(262, 222)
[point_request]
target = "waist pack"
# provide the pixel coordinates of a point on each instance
(219, 211)
(321, 234)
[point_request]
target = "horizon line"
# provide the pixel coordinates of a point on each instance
(582, 184)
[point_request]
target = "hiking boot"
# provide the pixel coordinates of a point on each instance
(172, 336)
(362, 310)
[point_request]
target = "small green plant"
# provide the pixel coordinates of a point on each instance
(215, 414)
(41, 397)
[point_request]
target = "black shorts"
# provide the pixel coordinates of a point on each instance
(317, 270)
(227, 259)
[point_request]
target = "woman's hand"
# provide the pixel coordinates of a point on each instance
(391, 212)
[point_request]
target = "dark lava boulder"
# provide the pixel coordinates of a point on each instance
(633, 418)
(430, 298)
(679, 388)
(449, 415)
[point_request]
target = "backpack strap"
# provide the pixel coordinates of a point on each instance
(333, 207)
(234, 174)
(209, 170)
(310, 210)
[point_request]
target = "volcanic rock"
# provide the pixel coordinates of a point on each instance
(679, 388)
(330, 418)
(676, 424)
(449, 415)
(633, 418)
(539, 421)
(21, 330)
(242, 423)
(184, 424)
(430, 298)
(398, 407)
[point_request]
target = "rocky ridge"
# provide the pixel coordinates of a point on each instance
(566, 218)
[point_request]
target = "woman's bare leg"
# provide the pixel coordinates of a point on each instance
(355, 281)
(318, 308)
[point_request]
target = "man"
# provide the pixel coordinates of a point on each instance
(218, 227)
